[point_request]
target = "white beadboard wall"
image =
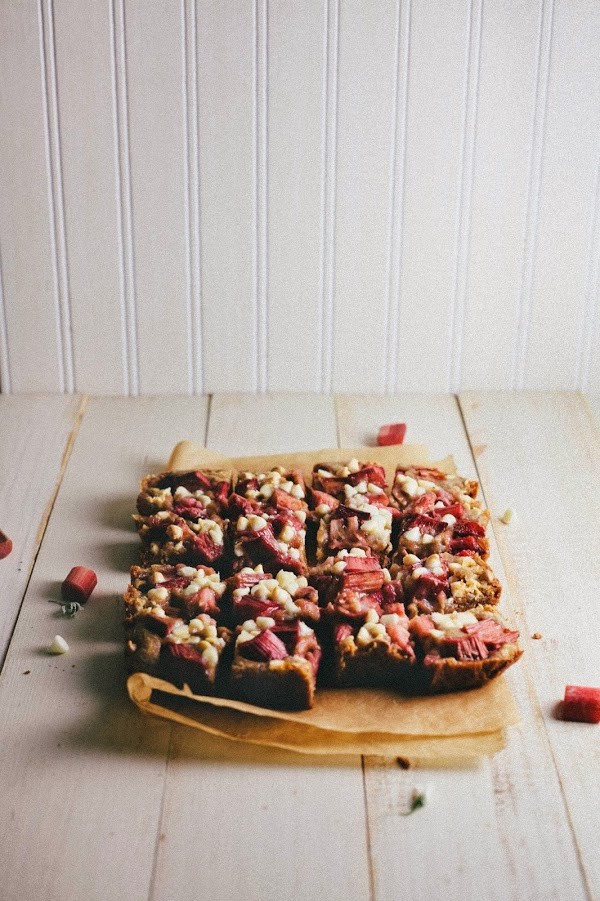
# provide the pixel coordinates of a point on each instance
(253, 195)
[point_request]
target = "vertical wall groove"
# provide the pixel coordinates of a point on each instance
(534, 189)
(463, 231)
(118, 200)
(330, 90)
(125, 224)
(5, 382)
(192, 191)
(261, 144)
(589, 313)
(398, 165)
(56, 196)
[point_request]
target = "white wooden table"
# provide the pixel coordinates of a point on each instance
(99, 802)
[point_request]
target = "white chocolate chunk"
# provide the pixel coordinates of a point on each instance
(58, 646)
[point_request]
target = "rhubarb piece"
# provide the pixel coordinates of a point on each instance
(462, 650)
(177, 591)
(78, 585)
(391, 434)
(285, 598)
(377, 653)
(169, 538)
(277, 489)
(275, 665)
(6, 545)
(354, 569)
(581, 704)
(192, 495)
(344, 480)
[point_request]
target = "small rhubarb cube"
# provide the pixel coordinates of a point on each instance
(391, 434)
(581, 704)
(79, 585)
(6, 545)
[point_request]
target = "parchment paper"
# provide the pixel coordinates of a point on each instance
(440, 728)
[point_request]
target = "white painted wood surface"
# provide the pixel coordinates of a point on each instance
(132, 791)
(486, 819)
(542, 458)
(285, 192)
(34, 432)
(82, 775)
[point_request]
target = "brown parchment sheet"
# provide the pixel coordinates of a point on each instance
(438, 728)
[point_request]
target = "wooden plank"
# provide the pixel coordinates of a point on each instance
(594, 402)
(568, 193)
(274, 814)
(542, 458)
(295, 154)
(35, 431)
(79, 767)
(29, 274)
(365, 140)
(505, 816)
(158, 154)
(505, 114)
(83, 63)
(226, 98)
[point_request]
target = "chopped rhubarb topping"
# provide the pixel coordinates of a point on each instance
(206, 548)
(391, 434)
(159, 625)
(264, 647)
(581, 704)
(248, 607)
(190, 508)
(342, 631)
(370, 473)
(361, 564)
(355, 604)
(282, 500)
(363, 581)
(491, 633)
(317, 498)
(422, 626)
(468, 527)
(400, 636)
(465, 647)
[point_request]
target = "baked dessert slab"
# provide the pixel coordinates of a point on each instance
(285, 597)
(462, 650)
(275, 489)
(444, 583)
(168, 538)
(185, 493)
(376, 654)
(278, 541)
(188, 654)
(275, 665)
(180, 590)
(355, 525)
(345, 480)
